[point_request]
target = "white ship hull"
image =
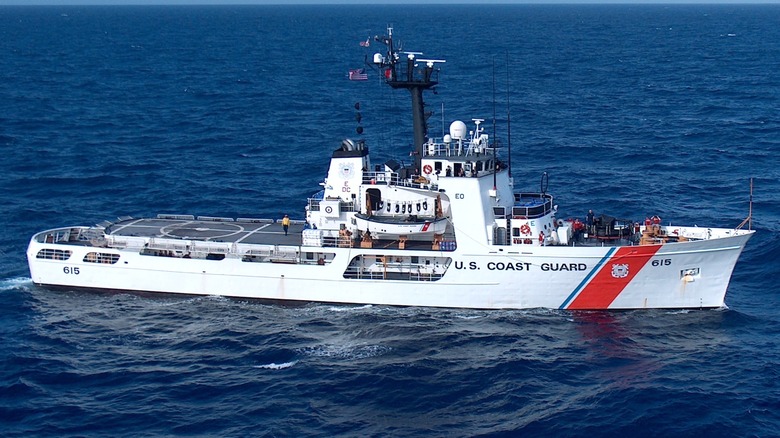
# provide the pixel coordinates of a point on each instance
(692, 274)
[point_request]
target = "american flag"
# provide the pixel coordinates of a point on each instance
(358, 74)
(365, 43)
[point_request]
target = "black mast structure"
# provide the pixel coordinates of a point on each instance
(413, 74)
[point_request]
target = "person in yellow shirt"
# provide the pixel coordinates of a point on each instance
(286, 224)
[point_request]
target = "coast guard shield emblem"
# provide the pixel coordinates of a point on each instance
(620, 270)
(346, 171)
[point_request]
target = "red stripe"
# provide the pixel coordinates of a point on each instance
(605, 287)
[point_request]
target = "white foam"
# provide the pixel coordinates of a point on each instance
(468, 316)
(348, 352)
(15, 283)
(347, 308)
(679, 312)
(276, 366)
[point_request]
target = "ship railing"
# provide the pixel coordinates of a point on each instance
(284, 257)
(211, 248)
(408, 274)
(344, 241)
(178, 217)
(334, 239)
(274, 254)
(358, 273)
(413, 73)
(90, 234)
(185, 247)
(125, 242)
(518, 212)
(437, 147)
(394, 179)
(60, 235)
(314, 205)
(415, 270)
(418, 183)
(269, 253)
(256, 250)
(526, 206)
(691, 233)
(70, 235)
(379, 177)
(426, 276)
(165, 244)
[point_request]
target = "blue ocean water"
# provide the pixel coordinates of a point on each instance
(233, 111)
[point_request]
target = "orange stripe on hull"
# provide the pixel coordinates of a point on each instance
(613, 277)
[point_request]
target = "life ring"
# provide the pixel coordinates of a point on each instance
(525, 229)
(427, 169)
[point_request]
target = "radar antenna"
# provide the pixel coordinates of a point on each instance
(412, 74)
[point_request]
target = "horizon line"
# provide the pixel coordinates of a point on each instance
(380, 2)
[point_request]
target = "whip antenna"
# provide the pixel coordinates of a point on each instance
(508, 128)
(748, 220)
(494, 123)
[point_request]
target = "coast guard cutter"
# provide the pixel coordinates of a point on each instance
(448, 230)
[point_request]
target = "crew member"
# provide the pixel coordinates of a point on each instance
(286, 224)
(589, 222)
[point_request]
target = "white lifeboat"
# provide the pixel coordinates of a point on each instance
(410, 226)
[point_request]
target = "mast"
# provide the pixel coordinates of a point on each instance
(413, 74)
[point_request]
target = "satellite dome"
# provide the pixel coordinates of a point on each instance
(458, 130)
